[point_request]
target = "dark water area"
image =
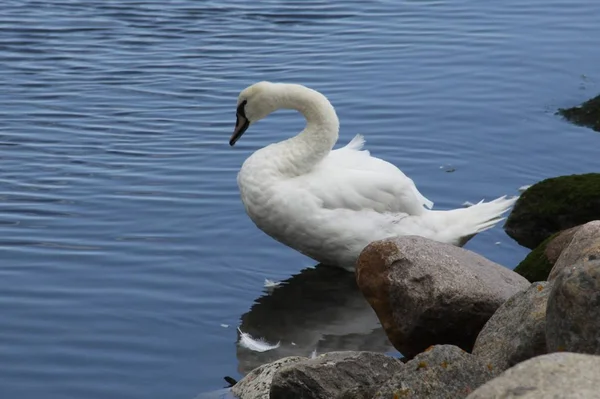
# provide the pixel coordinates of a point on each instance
(124, 246)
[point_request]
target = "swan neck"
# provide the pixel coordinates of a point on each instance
(322, 126)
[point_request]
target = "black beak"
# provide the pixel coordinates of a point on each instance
(241, 124)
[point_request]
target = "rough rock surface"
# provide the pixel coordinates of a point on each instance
(517, 331)
(538, 264)
(557, 375)
(553, 205)
(573, 314)
(328, 375)
(358, 392)
(444, 371)
(257, 383)
(586, 114)
(585, 244)
(426, 293)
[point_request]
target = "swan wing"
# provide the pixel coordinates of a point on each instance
(350, 178)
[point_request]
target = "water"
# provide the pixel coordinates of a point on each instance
(124, 246)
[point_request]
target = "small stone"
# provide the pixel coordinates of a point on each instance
(445, 371)
(330, 374)
(586, 114)
(573, 314)
(257, 383)
(426, 293)
(517, 331)
(557, 375)
(585, 243)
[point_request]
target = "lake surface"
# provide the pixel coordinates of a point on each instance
(124, 246)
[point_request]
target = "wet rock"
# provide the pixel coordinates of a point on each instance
(517, 331)
(553, 205)
(585, 244)
(573, 314)
(557, 375)
(425, 292)
(257, 383)
(538, 264)
(444, 371)
(329, 375)
(586, 114)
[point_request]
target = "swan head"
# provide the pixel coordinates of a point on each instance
(254, 103)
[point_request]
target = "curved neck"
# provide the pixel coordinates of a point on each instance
(320, 134)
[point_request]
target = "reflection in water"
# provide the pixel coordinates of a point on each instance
(318, 309)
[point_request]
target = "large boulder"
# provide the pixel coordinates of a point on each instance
(538, 264)
(444, 371)
(332, 374)
(517, 331)
(586, 114)
(257, 384)
(573, 314)
(557, 375)
(585, 243)
(553, 205)
(425, 292)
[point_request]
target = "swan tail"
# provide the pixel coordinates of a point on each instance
(462, 224)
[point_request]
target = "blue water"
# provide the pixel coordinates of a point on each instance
(124, 246)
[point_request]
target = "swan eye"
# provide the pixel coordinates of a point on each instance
(241, 109)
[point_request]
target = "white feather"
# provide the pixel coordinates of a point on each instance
(257, 345)
(271, 283)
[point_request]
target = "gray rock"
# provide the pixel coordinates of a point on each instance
(358, 392)
(557, 375)
(517, 331)
(444, 371)
(425, 292)
(328, 375)
(585, 243)
(573, 314)
(257, 383)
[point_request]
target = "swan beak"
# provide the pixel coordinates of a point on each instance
(241, 124)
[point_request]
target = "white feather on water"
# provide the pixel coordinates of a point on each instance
(257, 345)
(271, 283)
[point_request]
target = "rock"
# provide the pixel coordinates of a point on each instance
(553, 205)
(557, 375)
(444, 371)
(538, 264)
(328, 375)
(585, 243)
(586, 114)
(517, 331)
(257, 383)
(358, 392)
(425, 292)
(573, 314)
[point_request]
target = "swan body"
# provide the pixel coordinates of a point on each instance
(330, 204)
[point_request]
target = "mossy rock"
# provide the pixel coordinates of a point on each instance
(587, 114)
(536, 266)
(553, 205)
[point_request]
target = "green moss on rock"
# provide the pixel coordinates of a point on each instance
(587, 114)
(553, 205)
(536, 266)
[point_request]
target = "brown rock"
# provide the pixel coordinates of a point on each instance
(329, 375)
(425, 292)
(444, 371)
(517, 331)
(557, 245)
(573, 314)
(585, 243)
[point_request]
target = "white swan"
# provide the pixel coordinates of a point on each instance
(330, 204)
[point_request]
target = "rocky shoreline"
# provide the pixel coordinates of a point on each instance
(468, 327)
